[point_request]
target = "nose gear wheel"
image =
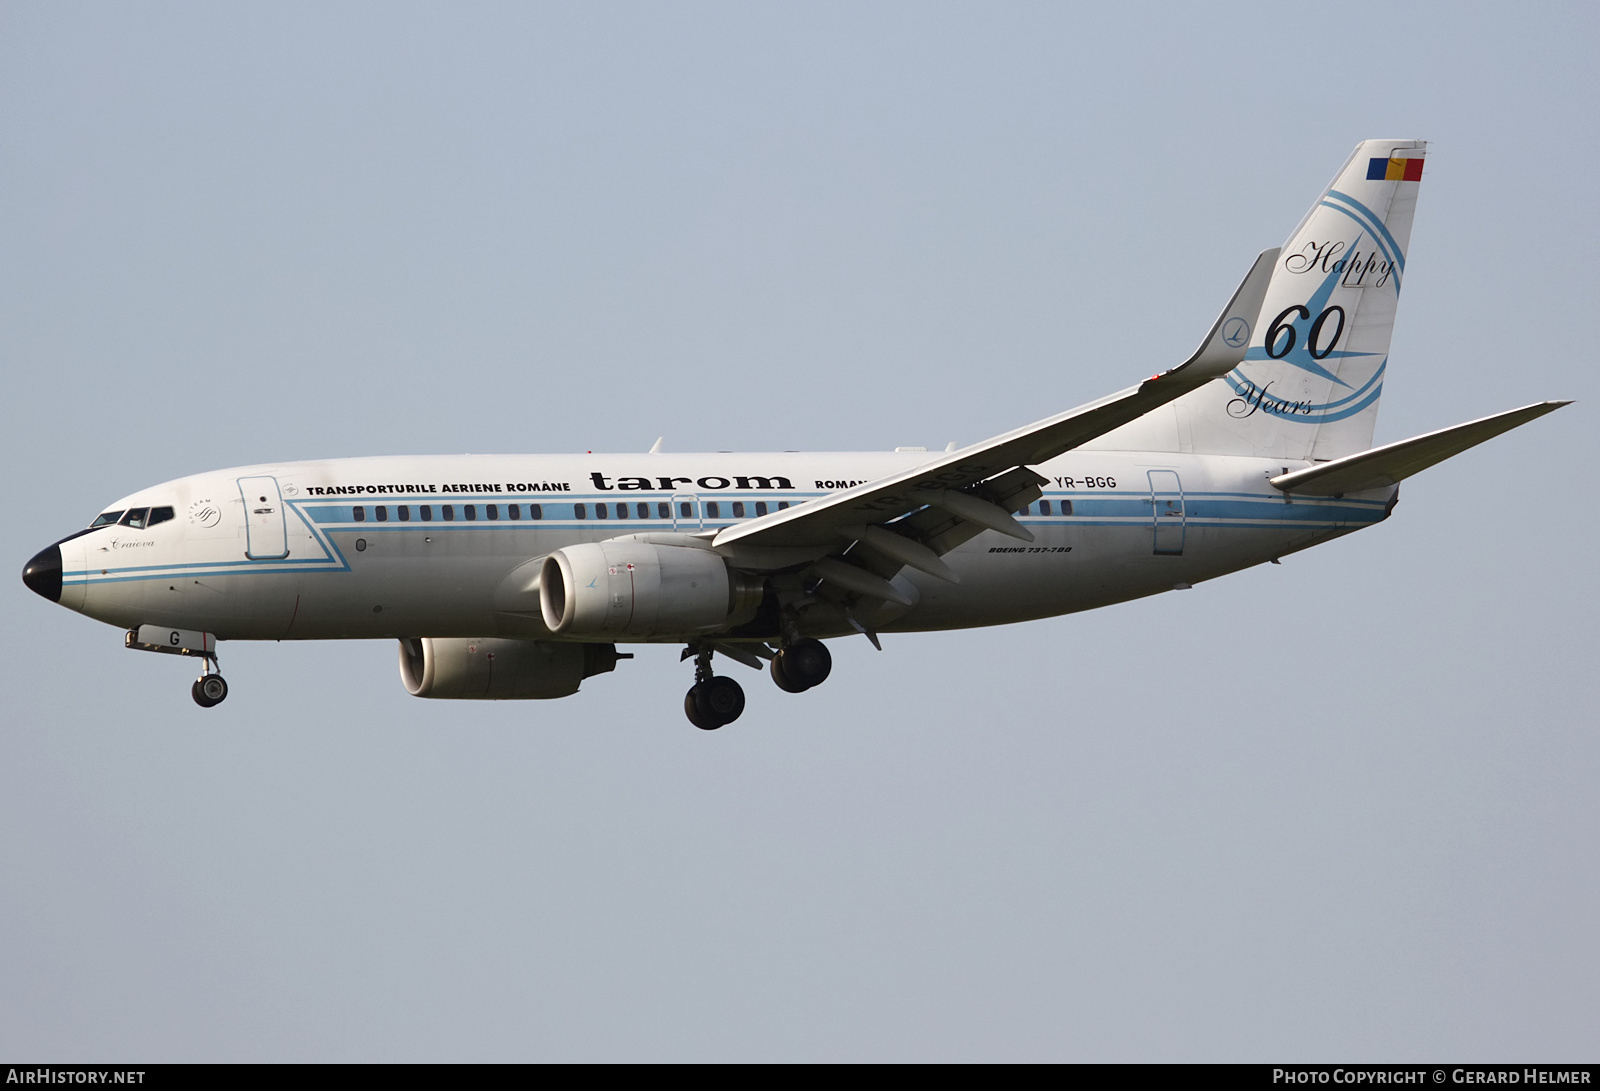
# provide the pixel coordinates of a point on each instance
(209, 690)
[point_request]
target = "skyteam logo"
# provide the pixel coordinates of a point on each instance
(205, 513)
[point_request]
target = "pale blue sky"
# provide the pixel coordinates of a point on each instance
(1339, 808)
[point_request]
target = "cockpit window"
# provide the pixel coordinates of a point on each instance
(135, 518)
(159, 515)
(108, 519)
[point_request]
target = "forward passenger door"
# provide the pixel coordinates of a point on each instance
(266, 534)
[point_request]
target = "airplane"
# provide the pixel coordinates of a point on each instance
(518, 576)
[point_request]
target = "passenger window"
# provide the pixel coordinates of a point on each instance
(664, 510)
(427, 513)
(535, 511)
(159, 515)
(1027, 509)
(713, 510)
(644, 511)
(600, 511)
(358, 513)
(405, 513)
(1044, 507)
(135, 518)
(1066, 507)
(449, 512)
(685, 510)
(382, 513)
(108, 519)
(622, 511)
(782, 504)
(580, 511)
(492, 510)
(513, 511)
(469, 512)
(738, 509)
(761, 507)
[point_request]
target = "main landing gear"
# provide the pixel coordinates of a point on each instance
(714, 700)
(717, 700)
(801, 665)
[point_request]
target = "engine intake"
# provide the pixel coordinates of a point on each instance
(639, 590)
(498, 669)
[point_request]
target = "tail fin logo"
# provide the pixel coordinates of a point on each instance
(1252, 397)
(1325, 322)
(1358, 270)
(1313, 337)
(1236, 332)
(1312, 372)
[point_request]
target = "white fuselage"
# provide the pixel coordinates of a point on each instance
(427, 546)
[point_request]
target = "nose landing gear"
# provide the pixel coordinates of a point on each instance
(209, 690)
(714, 700)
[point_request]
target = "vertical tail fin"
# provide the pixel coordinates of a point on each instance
(1309, 384)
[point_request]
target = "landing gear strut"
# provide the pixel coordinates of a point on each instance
(210, 689)
(801, 665)
(714, 700)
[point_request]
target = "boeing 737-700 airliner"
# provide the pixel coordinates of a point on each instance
(517, 576)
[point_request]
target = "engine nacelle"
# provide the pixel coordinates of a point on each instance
(500, 670)
(639, 590)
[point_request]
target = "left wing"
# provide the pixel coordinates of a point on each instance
(978, 487)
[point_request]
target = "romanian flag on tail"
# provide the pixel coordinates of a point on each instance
(1394, 170)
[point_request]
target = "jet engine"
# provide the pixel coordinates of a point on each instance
(639, 590)
(500, 670)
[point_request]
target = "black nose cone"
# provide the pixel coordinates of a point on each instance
(43, 573)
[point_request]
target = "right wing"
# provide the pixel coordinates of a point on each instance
(982, 484)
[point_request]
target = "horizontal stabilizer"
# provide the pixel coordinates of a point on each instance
(1393, 462)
